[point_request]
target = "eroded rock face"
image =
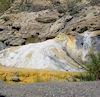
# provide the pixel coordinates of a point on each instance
(65, 53)
(31, 21)
(24, 25)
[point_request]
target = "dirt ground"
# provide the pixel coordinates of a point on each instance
(51, 89)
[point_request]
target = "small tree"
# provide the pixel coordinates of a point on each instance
(93, 68)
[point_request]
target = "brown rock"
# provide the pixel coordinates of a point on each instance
(45, 19)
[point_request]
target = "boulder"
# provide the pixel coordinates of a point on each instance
(60, 24)
(45, 19)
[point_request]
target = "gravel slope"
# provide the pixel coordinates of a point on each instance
(51, 89)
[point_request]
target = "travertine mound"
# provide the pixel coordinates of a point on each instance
(64, 53)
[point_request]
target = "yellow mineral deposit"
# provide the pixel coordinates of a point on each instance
(18, 76)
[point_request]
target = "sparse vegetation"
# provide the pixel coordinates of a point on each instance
(62, 6)
(93, 68)
(27, 6)
(4, 5)
(72, 7)
(23, 6)
(5, 18)
(85, 77)
(95, 2)
(77, 1)
(66, 5)
(73, 12)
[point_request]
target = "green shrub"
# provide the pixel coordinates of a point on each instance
(77, 1)
(73, 12)
(61, 9)
(4, 5)
(93, 68)
(23, 6)
(73, 8)
(5, 18)
(84, 77)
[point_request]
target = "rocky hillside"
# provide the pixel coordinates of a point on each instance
(29, 21)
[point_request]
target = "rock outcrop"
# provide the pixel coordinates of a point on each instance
(31, 21)
(65, 53)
